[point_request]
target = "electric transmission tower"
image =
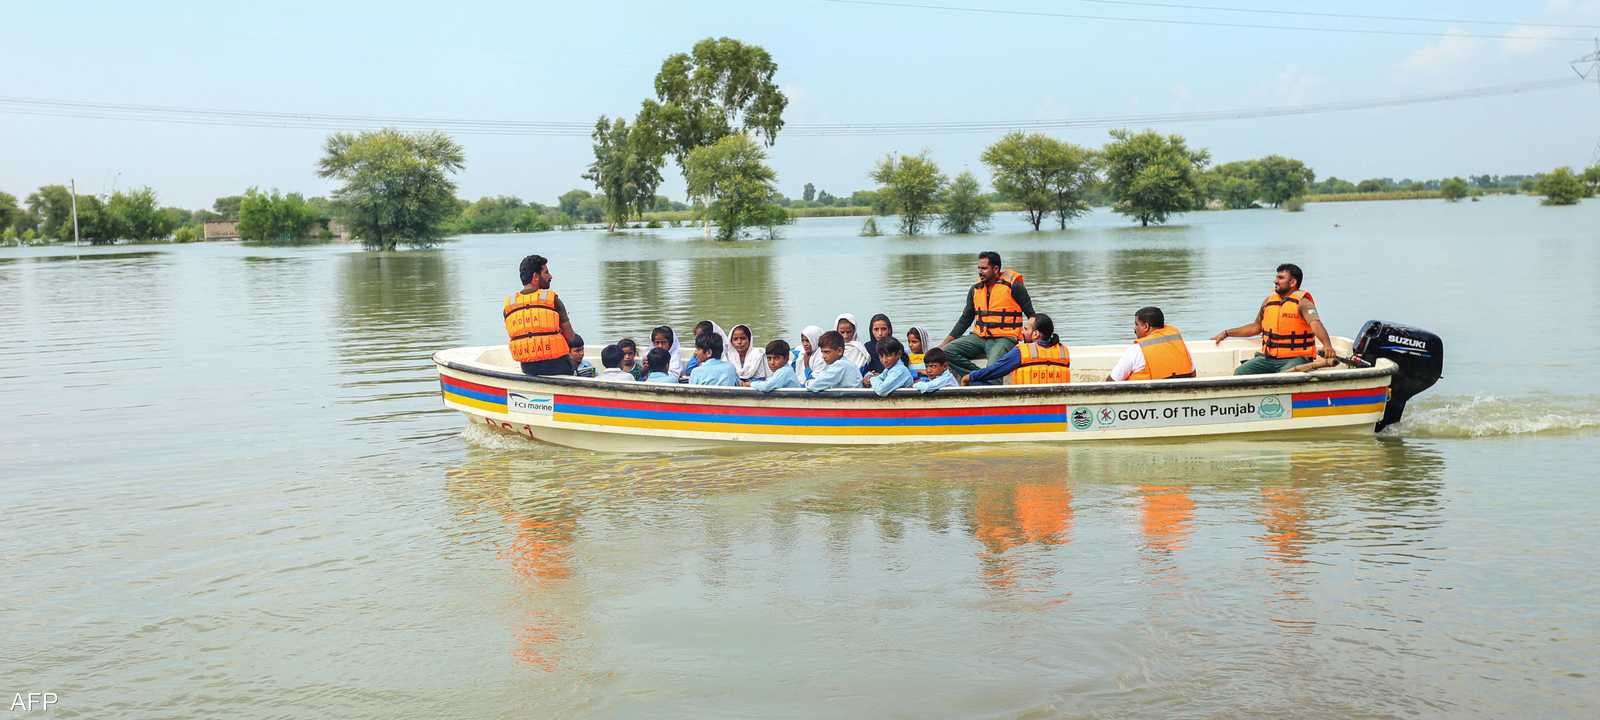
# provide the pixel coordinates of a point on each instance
(1588, 68)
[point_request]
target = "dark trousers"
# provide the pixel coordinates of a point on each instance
(554, 366)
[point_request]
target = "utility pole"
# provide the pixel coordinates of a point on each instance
(1588, 68)
(75, 240)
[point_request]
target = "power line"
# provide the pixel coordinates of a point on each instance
(217, 117)
(1341, 16)
(1198, 23)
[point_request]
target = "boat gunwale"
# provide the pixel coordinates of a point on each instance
(1383, 369)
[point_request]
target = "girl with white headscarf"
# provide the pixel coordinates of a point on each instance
(807, 362)
(753, 364)
(855, 351)
(663, 337)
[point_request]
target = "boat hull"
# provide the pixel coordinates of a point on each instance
(637, 417)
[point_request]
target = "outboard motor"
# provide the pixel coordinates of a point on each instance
(1419, 353)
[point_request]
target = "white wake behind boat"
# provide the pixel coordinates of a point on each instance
(486, 385)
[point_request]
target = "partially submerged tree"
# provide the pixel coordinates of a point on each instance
(1560, 187)
(720, 87)
(732, 173)
(911, 184)
(1279, 178)
(1453, 189)
(135, 215)
(966, 210)
(1042, 174)
(626, 169)
(1151, 176)
(397, 186)
(271, 217)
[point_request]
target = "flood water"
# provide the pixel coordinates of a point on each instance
(230, 489)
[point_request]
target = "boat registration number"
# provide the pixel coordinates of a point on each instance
(1089, 418)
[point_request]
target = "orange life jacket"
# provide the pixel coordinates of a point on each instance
(1042, 365)
(1165, 356)
(996, 312)
(1284, 332)
(534, 326)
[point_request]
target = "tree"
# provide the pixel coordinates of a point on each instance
(912, 185)
(966, 210)
(810, 193)
(626, 169)
(720, 87)
(1234, 184)
(10, 211)
(397, 186)
(1371, 185)
(270, 217)
(1280, 178)
(136, 216)
(569, 200)
(228, 206)
(1560, 187)
(826, 200)
(1453, 189)
(94, 226)
(733, 175)
(1591, 179)
(591, 209)
(52, 206)
(1152, 177)
(1042, 174)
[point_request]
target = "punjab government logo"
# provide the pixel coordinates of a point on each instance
(1106, 417)
(1270, 408)
(1082, 418)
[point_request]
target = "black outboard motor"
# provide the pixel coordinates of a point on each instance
(1419, 353)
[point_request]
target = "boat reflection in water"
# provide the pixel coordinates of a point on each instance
(600, 549)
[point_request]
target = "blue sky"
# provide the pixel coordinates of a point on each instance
(838, 63)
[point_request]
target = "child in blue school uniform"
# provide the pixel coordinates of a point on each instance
(896, 373)
(938, 369)
(837, 371)
(780, 374)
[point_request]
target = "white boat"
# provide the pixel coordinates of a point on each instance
(490, 389)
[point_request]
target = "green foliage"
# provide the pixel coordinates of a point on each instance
(591, 209)
(734, 175)
(870, 228)
(1295, 204)
(1385, 195)
(720, 87)
(1152, 177)
(51, 205)
(94, 226)
(1334, 185)
(135, 216)
(10, 212)
(9, 235)
(271, 217)
(966, 210)
(810, 193)
(1591, 179)
(1279, 178)
(1453, 189)
(1233, 184)
(186, 234)
(228, 206)
(569, 201)
(626, 169)
(396, 186)
(912, 185)
(1372, 185)
(1042, 174)
(1560, 187)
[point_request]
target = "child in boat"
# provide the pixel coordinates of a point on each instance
(701, 329)
(712, 369)
(664, 339)
(630, 359)
(745, 357)
(892, 356)
(806, 359)
(879, 328)
(611, 360)
(780, 374)
(658, 367)
(938, 370)
(838, 372)
(580, 366)
(854, 350)
(916, 345)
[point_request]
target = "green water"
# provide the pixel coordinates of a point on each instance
(230, 489)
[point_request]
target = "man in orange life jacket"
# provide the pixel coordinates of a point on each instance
(1157, 352)
(536, 322)
(997, 304)
(1289, 326)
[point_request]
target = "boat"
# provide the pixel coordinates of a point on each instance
(1387, 364)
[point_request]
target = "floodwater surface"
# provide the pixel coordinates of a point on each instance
(230, 489)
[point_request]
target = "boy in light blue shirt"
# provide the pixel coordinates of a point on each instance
(896, 373)
(657, 364)
(939, 375)
(712, 370)
(838, 372)
(780, 374)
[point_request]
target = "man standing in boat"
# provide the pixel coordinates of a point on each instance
(1289, 326)
(536, 322)
(997, 304)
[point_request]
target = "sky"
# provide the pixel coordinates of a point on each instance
(837, 62)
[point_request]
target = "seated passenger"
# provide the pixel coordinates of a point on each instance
(938, 369)
(1289, 325)
(712, 369)
(916, 345)
(743, 354)
(611, 360)
(664, 339)
(837, 371)
(657, 367)
(701, 329)
(808, 357)
(1041, 358)
(898, 375)
(581, 367)
(1157, 352)
(854, 350)
(879, 327)
(536, 322)
(630, 358)
(780, 374)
